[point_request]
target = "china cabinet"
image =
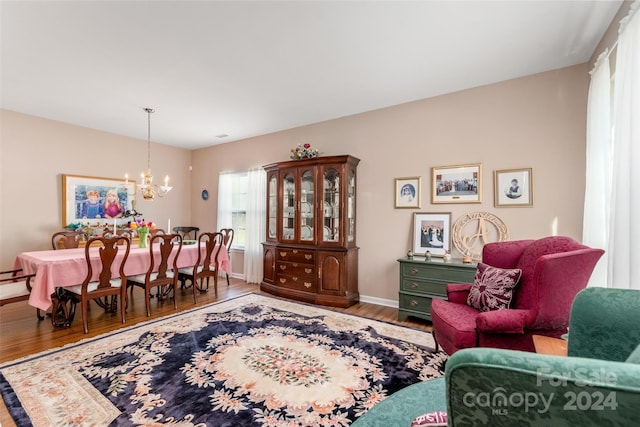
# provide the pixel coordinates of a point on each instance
(310, 253)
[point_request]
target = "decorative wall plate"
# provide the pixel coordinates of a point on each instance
(307, 232)
(327, 233)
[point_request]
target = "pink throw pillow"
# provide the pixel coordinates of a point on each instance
(493, 287)
(432, 419)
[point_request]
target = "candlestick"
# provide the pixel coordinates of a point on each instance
(169, 226)
(114, 226)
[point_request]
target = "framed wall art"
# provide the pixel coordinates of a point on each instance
(513, 188)
(91, 198)
(432, 232)
(457, 184)
(408, 192)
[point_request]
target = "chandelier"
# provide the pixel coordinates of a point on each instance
(147, 188)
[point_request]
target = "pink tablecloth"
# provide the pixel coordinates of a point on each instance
(69, 267)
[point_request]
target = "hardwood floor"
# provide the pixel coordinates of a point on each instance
(21, 334)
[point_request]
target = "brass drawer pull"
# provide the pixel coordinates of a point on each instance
(295, 264)
(283, 280)
(295, 251)
(413, 303)
(413, 271)
(308, 256)
(283, 254)
(308, 270)
(413, 285)
(295, 279)
(283, 267)
(307, 284)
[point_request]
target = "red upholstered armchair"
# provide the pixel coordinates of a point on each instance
(554, 269)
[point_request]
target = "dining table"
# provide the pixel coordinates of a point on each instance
(56, 269)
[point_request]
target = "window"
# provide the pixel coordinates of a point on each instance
(232, 205)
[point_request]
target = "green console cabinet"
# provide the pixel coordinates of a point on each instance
(422, 280)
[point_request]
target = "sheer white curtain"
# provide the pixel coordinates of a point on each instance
(624, 240)
(595, 230)
(255, 223)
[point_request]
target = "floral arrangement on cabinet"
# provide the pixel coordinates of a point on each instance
(304, 151)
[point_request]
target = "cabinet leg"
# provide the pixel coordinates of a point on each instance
(402, 316)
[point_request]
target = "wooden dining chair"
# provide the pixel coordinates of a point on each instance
(162, 274)
(187, 232)
(67, 239)
(105, 285)
(16, 287)
(206, 266)
(227, 240)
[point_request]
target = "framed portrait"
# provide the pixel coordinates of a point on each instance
(432, 232)
(408, 192)
(513, 188)
(457, 184)
(90, 198)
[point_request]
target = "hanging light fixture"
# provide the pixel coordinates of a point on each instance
(147, 188)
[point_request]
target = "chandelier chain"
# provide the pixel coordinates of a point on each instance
(149, 111)
(147, 188)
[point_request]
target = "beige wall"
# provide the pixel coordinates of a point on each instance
(536, 121)
(35, 152)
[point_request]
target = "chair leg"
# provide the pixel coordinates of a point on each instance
(175, 300)
(123, 305)
(147, 300)
(227, 279)
(85, 321)
(38, 315)
(195, 290)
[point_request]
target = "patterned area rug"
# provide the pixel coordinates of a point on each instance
(249, 361)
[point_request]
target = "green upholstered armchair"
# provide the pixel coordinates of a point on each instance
(598, 384)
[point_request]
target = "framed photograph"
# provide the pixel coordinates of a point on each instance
(432, 232)
(457, 184)
(513, 188)
(408, 192)
(89, 198)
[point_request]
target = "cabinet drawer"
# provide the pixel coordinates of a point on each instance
(422, 286)
(416, 303)
(444, 272)
(296, 269)
(295, 255)
(306, 284)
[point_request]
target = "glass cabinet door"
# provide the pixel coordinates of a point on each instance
(307, 206)
(331, 205)
(272, 200)
(351, 206)
(288, 206)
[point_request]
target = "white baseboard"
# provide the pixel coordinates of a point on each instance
(363, 298)
(379, 301)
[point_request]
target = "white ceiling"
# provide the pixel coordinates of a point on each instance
(249, 68)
